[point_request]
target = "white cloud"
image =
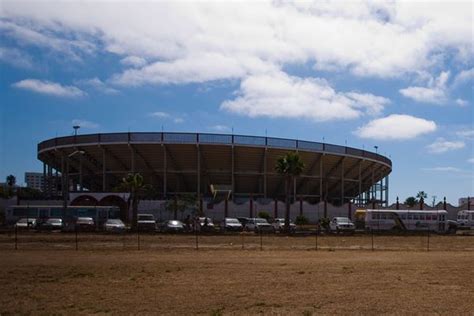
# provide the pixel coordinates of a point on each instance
(382, 39)
(48, 87)
(443, 169)
(133, 61)
(46, 36)
(167, 116)
(85, 124)
(436, 92)
(98, 85)
(463, 77)
(441, 146)
(396, 127)
(16, 57)
(461, 102)
(466, 133)
(220, 128)
(280, 95)
(159, 114)
(470, 160)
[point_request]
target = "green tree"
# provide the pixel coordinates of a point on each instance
(133, 184)
(290, 166)
(421, 196)
(411, 201)
(263, 214)
(182, 203)
(11, 181)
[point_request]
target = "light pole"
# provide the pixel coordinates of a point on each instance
(66, 180)
(376, 149)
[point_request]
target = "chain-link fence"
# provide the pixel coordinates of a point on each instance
(14, 239)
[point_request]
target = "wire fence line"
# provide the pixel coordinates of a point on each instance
(31, 240)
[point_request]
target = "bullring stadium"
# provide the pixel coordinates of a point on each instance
(243, 167)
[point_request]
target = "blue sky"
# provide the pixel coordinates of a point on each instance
(394, 75)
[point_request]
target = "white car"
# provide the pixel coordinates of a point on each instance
(231, 225)
(259, 225)
(279, 225)
(341, 224)
(114, 226)
(146, 222)
(26, 223)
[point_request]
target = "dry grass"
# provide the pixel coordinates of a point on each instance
(235, 281)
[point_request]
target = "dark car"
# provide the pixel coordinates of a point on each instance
(172, 226)
(85, 224)
(52, 224)
(146, 222)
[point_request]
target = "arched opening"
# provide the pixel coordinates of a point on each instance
(84, 200)
(114, 200)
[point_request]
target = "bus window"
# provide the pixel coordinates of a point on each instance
(410, 216)
(404, 216)
(374, 216)
(422, 217)
(416, 217)
(383, 216)
(472, 216)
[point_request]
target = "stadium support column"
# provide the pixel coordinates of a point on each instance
(321, 178)
(132, 159)
(198, 170)
(342, 182)
(164, 171)
(104, 171)
(360, 182)
(265, 173)
(50, 178)
(232, 172)
(63, 176)
(44, 177)
(81, 187)
(386, 190)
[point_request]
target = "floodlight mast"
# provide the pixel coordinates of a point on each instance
(66, 178)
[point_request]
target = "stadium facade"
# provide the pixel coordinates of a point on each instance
(203, 164)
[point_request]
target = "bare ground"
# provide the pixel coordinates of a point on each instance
(224, 281)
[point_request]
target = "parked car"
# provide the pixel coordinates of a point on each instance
(230, 224)
(279, 225)
(259, 225)
(206, 224)
(341, 224)
(84, 224)
(172, 226)
(243, 221)
(52, 224)
(146, 222)
(114, 226)
(26, 223)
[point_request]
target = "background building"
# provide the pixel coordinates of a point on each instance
(35, 180)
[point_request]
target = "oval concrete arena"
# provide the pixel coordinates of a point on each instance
(176, 163)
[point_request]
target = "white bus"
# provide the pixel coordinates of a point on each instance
(404, 220)
(465, 219)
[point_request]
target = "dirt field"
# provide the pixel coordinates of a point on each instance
(221, 282)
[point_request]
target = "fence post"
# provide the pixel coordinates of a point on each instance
(138, 237)
(197, 239)
(372, 231)
(316, 245)
(75, 231)
(428, 243)
(243, 246)
(16, 237)
(261, 240)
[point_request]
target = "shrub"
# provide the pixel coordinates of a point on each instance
(263, 214)
(324, 222)
(301, 220)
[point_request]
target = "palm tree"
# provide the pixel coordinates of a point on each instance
(289, 166)
(11, 181)
(133, 184)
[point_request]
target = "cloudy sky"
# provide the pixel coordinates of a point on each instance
(396, 75)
